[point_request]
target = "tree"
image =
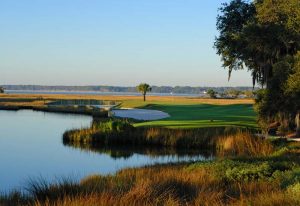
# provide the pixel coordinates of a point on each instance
(249, 93)
(251, 37)
(234, 16)
(285, 13)
(1, 90)
(273, 105)
(264, 37)
(233, 93)
(144, 88)
(292, 89)
(212, 94)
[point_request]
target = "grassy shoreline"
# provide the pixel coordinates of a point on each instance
(119, 132)
(62, 109)
(268, 175)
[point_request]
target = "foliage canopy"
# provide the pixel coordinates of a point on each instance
(264, 37)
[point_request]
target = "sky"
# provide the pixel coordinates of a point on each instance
(112, 42)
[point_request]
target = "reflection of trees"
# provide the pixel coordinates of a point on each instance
(89, 147)
(127, 151)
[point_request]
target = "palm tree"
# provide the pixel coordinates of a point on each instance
(1, 90)
(144, 88)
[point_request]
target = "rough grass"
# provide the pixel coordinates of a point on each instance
(260, 180)
(128, 101)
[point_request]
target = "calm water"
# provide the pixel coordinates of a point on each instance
(31, 147)
(100, 93)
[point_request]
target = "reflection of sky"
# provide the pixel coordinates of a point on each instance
(31, 146)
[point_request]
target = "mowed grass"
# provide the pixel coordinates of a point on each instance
(203, 115)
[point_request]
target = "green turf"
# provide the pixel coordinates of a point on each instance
(203, 115)
(142, 104)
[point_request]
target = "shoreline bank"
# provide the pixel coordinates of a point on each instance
(64, 109)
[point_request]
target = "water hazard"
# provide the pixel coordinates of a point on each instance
(31, 147)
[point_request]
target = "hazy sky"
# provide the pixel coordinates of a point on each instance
(111, 42)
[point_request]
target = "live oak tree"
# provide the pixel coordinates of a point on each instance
(257, 35)
(263, 36)
(144, 88)
(292, 89)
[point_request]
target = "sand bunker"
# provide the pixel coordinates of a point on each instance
(140, 114)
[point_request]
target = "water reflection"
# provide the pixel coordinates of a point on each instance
(31, 147)
(126, 152)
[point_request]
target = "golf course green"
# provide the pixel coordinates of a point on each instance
(203, 115)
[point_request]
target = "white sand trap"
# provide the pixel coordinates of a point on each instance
(140, 114)
(294, 139)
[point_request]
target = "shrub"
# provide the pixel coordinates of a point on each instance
(294, 191)
(249, 172)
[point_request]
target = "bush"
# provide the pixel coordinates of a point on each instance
(294, 191)
(249, 172)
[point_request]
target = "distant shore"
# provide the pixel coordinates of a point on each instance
(100, 93)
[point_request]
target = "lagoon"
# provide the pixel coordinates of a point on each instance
(31, 147)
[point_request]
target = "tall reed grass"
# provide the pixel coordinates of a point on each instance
(117, 132)
(244, 144)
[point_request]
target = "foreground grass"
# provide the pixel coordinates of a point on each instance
(257, 173)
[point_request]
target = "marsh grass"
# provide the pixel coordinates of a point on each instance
(119, 132)
(244, 144)
(14, 198)
(207, 183)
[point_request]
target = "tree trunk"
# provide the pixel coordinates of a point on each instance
(144, 97)
(297, 121)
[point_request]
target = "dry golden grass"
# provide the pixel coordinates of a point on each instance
(23, 99)
(208, 183)
(158, 185)
(174, 185)
(244, 144)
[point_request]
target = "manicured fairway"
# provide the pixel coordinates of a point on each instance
(204, 115)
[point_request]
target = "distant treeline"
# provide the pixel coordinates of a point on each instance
(155, 89)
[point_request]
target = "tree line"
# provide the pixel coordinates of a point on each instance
(103, 88)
